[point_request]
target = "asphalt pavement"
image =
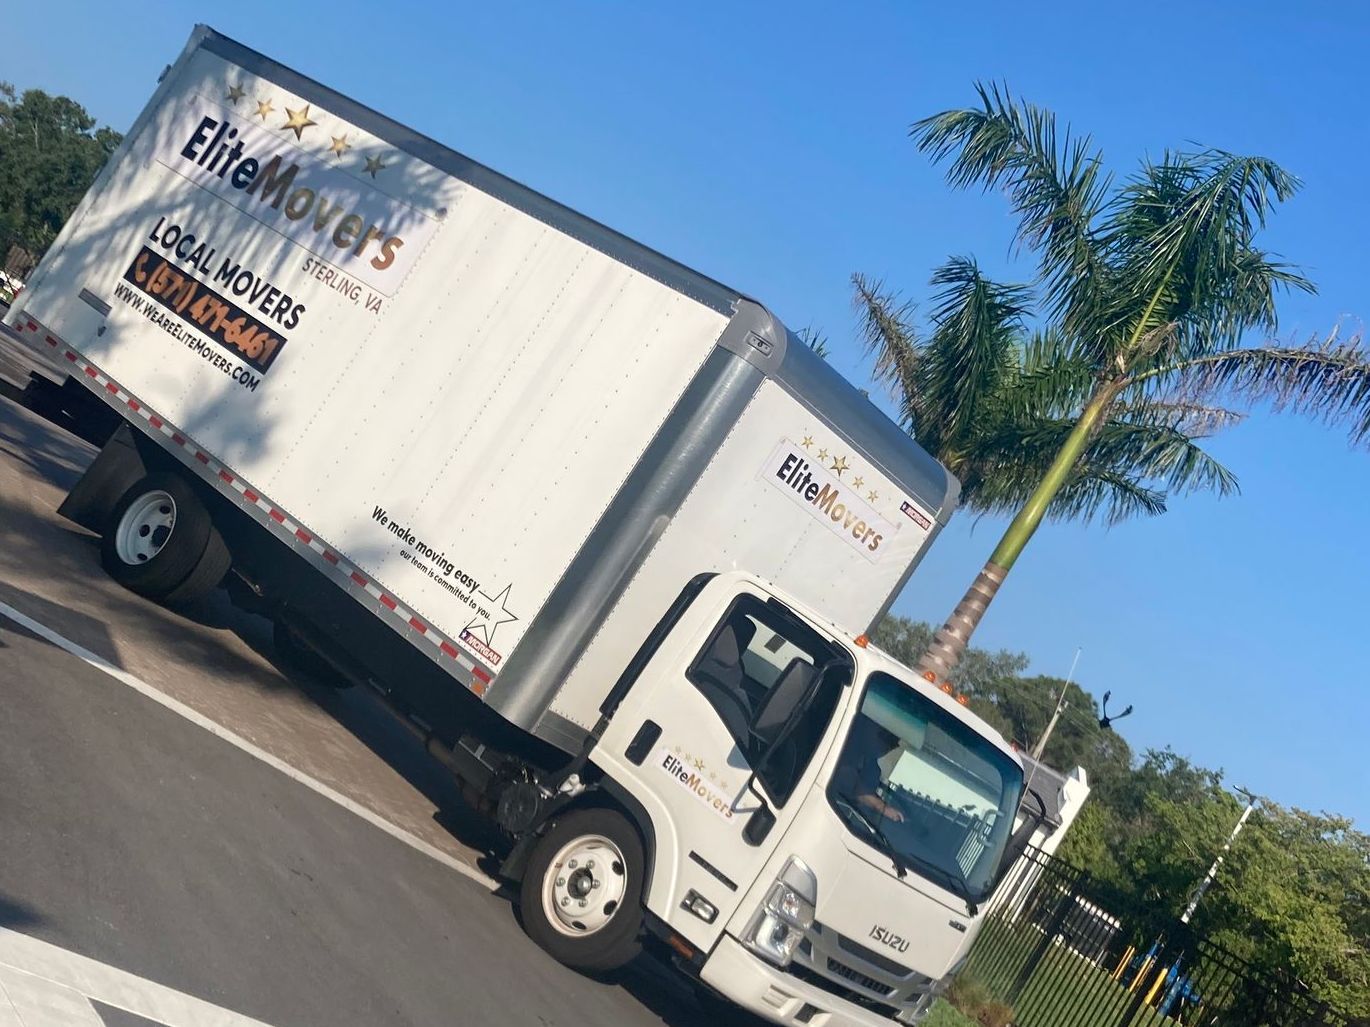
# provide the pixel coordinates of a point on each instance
(310, 867)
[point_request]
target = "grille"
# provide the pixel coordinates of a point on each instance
(858, 978)
(873, 958)
(804, 973)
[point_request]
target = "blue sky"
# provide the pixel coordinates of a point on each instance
(766, 144)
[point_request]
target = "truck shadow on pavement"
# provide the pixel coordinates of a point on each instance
(15, 915)
(54, 456)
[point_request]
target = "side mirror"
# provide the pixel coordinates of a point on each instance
(1018, 843)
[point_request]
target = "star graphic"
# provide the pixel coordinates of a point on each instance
(839, 464)
(234, 94)
(858, 482)
(872, 495)
(298, 121)
(698, 763)
(374, 164)
(340, 146)
(822, 454)
(808, 441)
(264, 108)
(498, 614)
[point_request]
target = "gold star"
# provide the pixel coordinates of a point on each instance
(808, 441)
(298, 121)
(235, 93)
(822, 454)
(839, 464)
(340, 145)
(264, 108)
(858, 482)
(374, 164)
(698, 762)
(872, 495)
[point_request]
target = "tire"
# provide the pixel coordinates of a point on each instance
(586, 938)
(295, 652)
(161, 543)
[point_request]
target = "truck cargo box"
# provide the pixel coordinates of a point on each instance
(509, 431)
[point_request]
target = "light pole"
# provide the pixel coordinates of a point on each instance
(1207, 882)
(1061, 704)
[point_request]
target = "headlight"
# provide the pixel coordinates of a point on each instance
(787, 904)
(785, 915)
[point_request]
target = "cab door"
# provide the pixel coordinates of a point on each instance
(718, 738)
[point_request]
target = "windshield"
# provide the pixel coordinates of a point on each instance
(916, 782)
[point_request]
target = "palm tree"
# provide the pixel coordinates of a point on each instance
(1147, 293)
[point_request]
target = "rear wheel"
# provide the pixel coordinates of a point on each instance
(161, 543)
(581, 896)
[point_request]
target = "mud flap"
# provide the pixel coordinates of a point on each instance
(118, 466)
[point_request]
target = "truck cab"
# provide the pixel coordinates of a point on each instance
(817, 827)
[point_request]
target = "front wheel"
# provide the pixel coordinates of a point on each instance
(161, 543)
(581, 895)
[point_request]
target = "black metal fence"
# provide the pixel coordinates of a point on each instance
(1065, 951)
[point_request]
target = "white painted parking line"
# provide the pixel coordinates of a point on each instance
(39, 1002)
(255, 751)
(47, 986)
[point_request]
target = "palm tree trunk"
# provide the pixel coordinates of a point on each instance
(952, 638)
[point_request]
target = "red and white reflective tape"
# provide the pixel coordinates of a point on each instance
(352, 577)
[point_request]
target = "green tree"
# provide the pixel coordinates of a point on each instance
(1292, 896)
(50, 152)
(1147, 292)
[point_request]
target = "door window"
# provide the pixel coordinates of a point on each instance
(762, 669)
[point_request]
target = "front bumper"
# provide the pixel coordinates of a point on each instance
(780, 997)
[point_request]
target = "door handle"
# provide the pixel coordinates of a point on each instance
(642, 742)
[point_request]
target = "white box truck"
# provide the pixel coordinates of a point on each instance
(600, 528)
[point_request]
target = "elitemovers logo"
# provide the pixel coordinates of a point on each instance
(827, 497)
(329, 212)
(692, 774)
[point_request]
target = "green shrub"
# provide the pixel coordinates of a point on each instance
(968, 994)
(975, 1002)
(946, 1015)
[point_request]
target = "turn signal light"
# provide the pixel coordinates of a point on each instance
(863, 640)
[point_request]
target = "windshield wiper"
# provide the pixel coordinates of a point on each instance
(900, 867)
(955, 882)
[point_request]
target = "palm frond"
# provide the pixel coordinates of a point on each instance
(886, 326)
(1328, 380)
(1054, 181)
(1054, 379)
(1180, 238)
(1197, 420)
(977, 325)
(1159, 453)
(1102, 492)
